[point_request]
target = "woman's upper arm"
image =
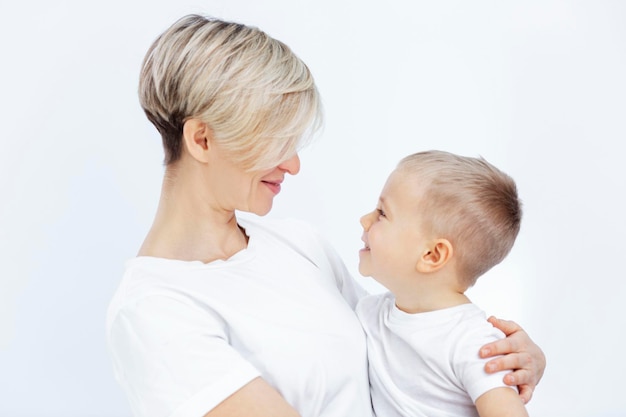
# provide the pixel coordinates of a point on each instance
(256, 399)
(174, 359)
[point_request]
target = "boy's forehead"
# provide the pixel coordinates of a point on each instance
(393, 183)
(397, 176)
(405, 180)
(403, 187)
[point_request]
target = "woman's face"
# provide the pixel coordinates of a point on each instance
(253, 192)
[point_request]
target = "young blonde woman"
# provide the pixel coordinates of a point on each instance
(228, 315)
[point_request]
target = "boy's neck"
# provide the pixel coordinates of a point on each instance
(425, 299)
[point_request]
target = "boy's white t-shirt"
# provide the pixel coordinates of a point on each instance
(184, 336)
(426, 364)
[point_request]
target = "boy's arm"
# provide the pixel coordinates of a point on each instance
(501, 402)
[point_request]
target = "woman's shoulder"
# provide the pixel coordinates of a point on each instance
(297, 234)
(371, 305)
(278, 226)
(144, 278)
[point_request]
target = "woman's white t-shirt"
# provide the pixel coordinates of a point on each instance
(184, 336)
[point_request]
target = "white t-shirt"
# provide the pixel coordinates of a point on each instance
(184, 336)
(426, 364)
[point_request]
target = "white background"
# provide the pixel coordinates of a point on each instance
(536, 87)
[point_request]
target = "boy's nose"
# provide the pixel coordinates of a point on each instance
(366, 221)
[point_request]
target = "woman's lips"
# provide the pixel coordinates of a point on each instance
(274, 186)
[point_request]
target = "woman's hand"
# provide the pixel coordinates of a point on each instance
(521, 355)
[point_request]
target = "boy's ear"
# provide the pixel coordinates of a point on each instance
(436, 255)
(197, 137)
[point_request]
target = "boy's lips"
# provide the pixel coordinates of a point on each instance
(366, 246)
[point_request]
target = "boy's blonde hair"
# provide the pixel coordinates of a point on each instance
(258, 98)
(469, 202)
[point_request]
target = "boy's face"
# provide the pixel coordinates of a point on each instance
(393, 233)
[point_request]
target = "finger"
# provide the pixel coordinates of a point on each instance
(500, 347)
(511, 362)
(506, 326)
(520, 377)
(525, 393)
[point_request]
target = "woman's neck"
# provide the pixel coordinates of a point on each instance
(188, 226)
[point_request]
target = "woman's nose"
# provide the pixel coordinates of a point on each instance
(291, 165)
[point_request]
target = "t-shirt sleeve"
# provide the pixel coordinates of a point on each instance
(173, 358)
(470, 368)
(313, 246)
(352, 292)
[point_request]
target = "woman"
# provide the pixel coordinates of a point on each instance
(226, 316)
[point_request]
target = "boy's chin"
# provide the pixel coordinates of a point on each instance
(364, 272)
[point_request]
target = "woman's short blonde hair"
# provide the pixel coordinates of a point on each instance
(469, 202)
(256, 95)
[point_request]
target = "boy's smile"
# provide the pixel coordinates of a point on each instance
(392, 233)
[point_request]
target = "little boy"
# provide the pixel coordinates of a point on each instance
(442, 220)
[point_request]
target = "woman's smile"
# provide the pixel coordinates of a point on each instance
(273, 185)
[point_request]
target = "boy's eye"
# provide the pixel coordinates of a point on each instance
(380, 212)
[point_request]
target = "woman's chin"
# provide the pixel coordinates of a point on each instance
(261, 210)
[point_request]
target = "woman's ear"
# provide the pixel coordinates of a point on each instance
(436, 255)
(197, 137)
